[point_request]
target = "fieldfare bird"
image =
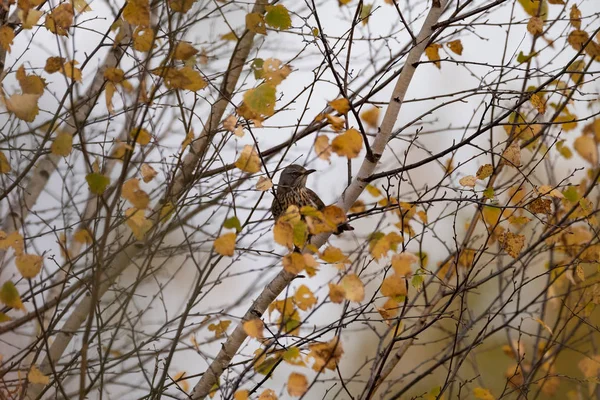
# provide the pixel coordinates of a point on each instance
(292, 190)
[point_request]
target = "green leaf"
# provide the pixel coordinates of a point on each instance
(300, 234)
(261, 100)
(522, 58)
(233, 223)
(9, 295)
(534, 9)
(571, 194)
(257, 68)
(97, 182)
(417, 279)
(489, 193)
(278, 17)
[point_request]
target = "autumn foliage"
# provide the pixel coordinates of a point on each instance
(140, 149)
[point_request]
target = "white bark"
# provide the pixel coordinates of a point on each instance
(280, 282)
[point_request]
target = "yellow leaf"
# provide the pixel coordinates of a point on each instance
(373, 191)
(70, 71)
(166, 212)
(141, 136)
(394, 286)
(14, 240)
(62, 144)
(325, 221)
(535, 26)
(181, 382)
(348, 144)
(231, 36)
(248, 161)
(267, 394)
(29, 265)
(254, 328)
(274, 71)
(294, 263)
(353, 287)
(389, 310)
(7, 35)
(590, 366)
(326, 355)
(283, 234)
(23, 106)
(512, 243)
(456, 46)
(220, 328)
(485, 171)
(184, 51)
(242, 395)
(371, 117)
(586, 147)
(340, 105)
(60, 19)
(337, 294)
(575, 17)
(402, 263)
(333, 255)
(577, 39)
(264, 184)
(181, 78)
(468, 181)
(512, 155)
(297, 384)
(337, 123)
(5, 167)
(115, 75)
(137, 197)
(550, 191)
(81, 6)
(29, 18)
(322, 148)
(358, 207)
(137, 12)
(225, 244)
(543, 324)
(148, 173)
(30, 84)
(255, 22)
(83, 236)
(143, 38)
(109, 92)
(304, 298)
(483, 394)
(54, 64)
(433, 54)
(538, 103)
(181, 6)
(137, 222)
(35, 376)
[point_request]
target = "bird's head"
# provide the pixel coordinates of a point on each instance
(294, 176)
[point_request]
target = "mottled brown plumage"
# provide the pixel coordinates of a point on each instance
(292, 190)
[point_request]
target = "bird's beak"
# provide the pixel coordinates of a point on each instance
(309, 171)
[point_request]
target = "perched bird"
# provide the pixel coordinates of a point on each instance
(292, 190)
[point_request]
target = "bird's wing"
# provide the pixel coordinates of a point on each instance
(315, 200)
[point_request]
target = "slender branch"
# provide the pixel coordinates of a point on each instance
(351, 194)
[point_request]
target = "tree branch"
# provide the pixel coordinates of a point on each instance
(351, 194)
